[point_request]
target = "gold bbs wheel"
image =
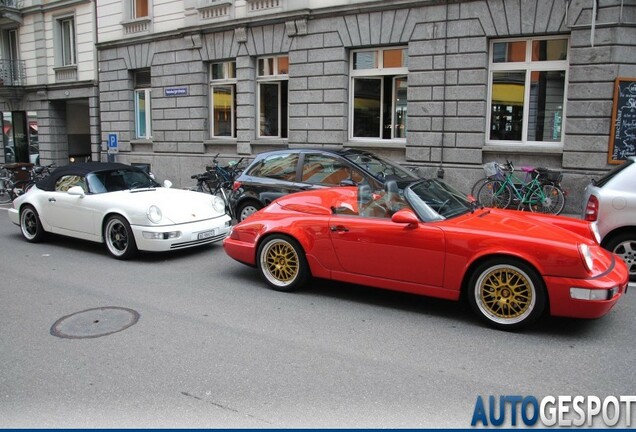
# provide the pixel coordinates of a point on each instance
(282, 263)
(508, 295)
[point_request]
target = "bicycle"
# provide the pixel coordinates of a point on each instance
(10, 186)
(36, 174)
(539, 192)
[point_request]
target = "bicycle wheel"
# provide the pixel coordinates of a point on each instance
(478, 184)
(5, 187)
(547, 199)
(494, 193)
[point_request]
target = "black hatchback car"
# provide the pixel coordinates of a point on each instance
(277, 173)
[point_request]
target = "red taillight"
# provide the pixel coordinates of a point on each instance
(236, 186)
(591, 209)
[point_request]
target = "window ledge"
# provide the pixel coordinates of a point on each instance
(525, 149)
(220, 140)
(401, 144)
(138, 25)
(270, 141)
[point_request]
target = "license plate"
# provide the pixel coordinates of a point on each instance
(206, 234)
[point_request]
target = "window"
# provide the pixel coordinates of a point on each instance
(272, 78)
(223, 99)
(143, 116)
(327, 171)
(64, 183)
(527, 90)
(67, 41)
(280, 166)
(139, 9)
(378, 96)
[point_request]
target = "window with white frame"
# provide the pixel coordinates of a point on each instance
(143, 118)
(66, 32)
(139, 8)
(528, 80)
(272, 79)
(223, 99)
(378, 93)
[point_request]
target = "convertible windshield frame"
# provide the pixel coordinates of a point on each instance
(119, 179)
(434, 200)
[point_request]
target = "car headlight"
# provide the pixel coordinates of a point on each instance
(587, 256)
(218, 204)
(154, 214)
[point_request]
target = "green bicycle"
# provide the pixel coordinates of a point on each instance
(539, 192)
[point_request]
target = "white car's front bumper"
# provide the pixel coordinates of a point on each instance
(165, 238)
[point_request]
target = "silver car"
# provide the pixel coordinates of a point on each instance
(610, 203)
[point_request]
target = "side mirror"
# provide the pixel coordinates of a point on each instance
(76, 191)
(407, 217)
(167, 184)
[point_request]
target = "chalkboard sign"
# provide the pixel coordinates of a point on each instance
(623, 134)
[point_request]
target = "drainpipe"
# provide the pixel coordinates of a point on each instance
(440, 169)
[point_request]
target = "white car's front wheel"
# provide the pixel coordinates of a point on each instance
(119, 238)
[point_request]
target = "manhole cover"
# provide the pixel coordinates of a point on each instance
(93, 323)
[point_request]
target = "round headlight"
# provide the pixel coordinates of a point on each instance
(218, 204)
(154, 214)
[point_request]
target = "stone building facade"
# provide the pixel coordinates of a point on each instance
(49, 97)
(444, 86)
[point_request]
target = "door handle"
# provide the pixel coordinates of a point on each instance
(338, 228)
(51, 199)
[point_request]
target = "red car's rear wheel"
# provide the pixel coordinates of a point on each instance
(507, 294)
(282, 263)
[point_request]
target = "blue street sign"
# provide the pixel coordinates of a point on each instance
(113, 146)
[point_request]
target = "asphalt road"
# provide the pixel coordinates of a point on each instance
(214, 348)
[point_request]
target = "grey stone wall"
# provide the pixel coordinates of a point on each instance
(448, 48)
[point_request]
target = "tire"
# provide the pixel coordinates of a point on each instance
(281, 261)
(506, 293)
(246, 209)
(30, 225)
(552, 201)
(494, 193)
(5, 195)
(624, 245)
(119, 238)
(478, 184)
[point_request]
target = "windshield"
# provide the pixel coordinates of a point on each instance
(380, 168)
(116, 180)
(434, 200)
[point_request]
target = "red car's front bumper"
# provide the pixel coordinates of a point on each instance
(563, 304)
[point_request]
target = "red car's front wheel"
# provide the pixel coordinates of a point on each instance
(507, 294)
(281, 261)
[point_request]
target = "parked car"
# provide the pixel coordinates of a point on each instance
(610, 204)
(121, 206)
(432, 240)
(277, 173)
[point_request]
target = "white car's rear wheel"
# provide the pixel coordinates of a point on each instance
(119, 238)
(30, 225)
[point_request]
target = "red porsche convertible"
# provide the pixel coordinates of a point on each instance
(431, 240)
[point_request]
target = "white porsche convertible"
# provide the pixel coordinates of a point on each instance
(121, 206)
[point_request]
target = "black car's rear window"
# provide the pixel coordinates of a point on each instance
(611, 174)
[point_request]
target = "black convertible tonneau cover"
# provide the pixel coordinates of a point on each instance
(80, 169)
